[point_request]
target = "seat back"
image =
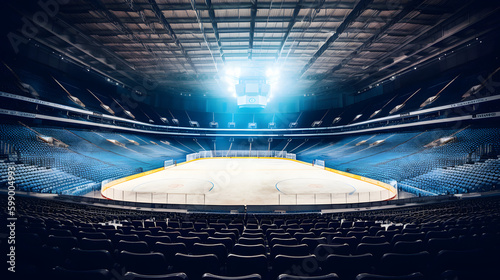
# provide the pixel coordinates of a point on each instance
(289, 250)
(143, 263)
(196, 265)
(347, 267)
(249, 250)
(133, 246)
(217, 249)
(238, 265)
(210, 276)
(403, 264)
(296, 265)
(329, 276)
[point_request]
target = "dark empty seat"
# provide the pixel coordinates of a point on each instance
(460, 260)
(143, 263)
(239, 265)
(270, 231)
(329, 235)
(169, 250)
(172, 234)
(376, 249)
(295, 265)
(126, 237)
(373, 239)
(210, 276)
(347, 267)
(196, 265)
(251, 241)
(368, 276)
(254, 231)
(283, 241)
(434, 245)
(96, 244)
(352, 241)
(334, 224)
(231, 235)
(407, 237)
(65, 243)
(437, 234)
(387, 233)
(234, 228)
(92, 235)
(217, 226)
(357, 234)
(289, 250)
(228, 242)
(403, 264)
(294, 230)
(141, 233)
(323, 250)
(210, 231)
(202, 235)
(408, 247)
(300, 235)
(133, 246)
(169, 276)
(249, 250)
(89, 259)
(152, 239)
(217, 249)
(60, 232)
(94, 274)
(252, 235)
(329, 276)
(189, 241)
(313, 242)
(162, 224)
(278, 235)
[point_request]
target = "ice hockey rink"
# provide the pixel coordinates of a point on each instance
(247, 181)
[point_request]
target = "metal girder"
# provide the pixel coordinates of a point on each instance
(311, 30)
(202, 29)
(111, 18)
(230, 40)
(358, 10)
(348, 5)
(252, 28)
(211, 14)
(180, 20)
(443, 35)
(81, 42)
(291, 23)
(159, 14)
(408, 9)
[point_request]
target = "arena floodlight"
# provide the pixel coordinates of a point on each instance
(316, 123)
(194, 124)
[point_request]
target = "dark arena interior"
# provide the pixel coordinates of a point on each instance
(250, 139)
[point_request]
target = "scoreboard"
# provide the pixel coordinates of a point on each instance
(252, 93)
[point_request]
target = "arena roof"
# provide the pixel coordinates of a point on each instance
(321, 43)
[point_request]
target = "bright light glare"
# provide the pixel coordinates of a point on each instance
(229, 80)
(272, 73)
(233, 72)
